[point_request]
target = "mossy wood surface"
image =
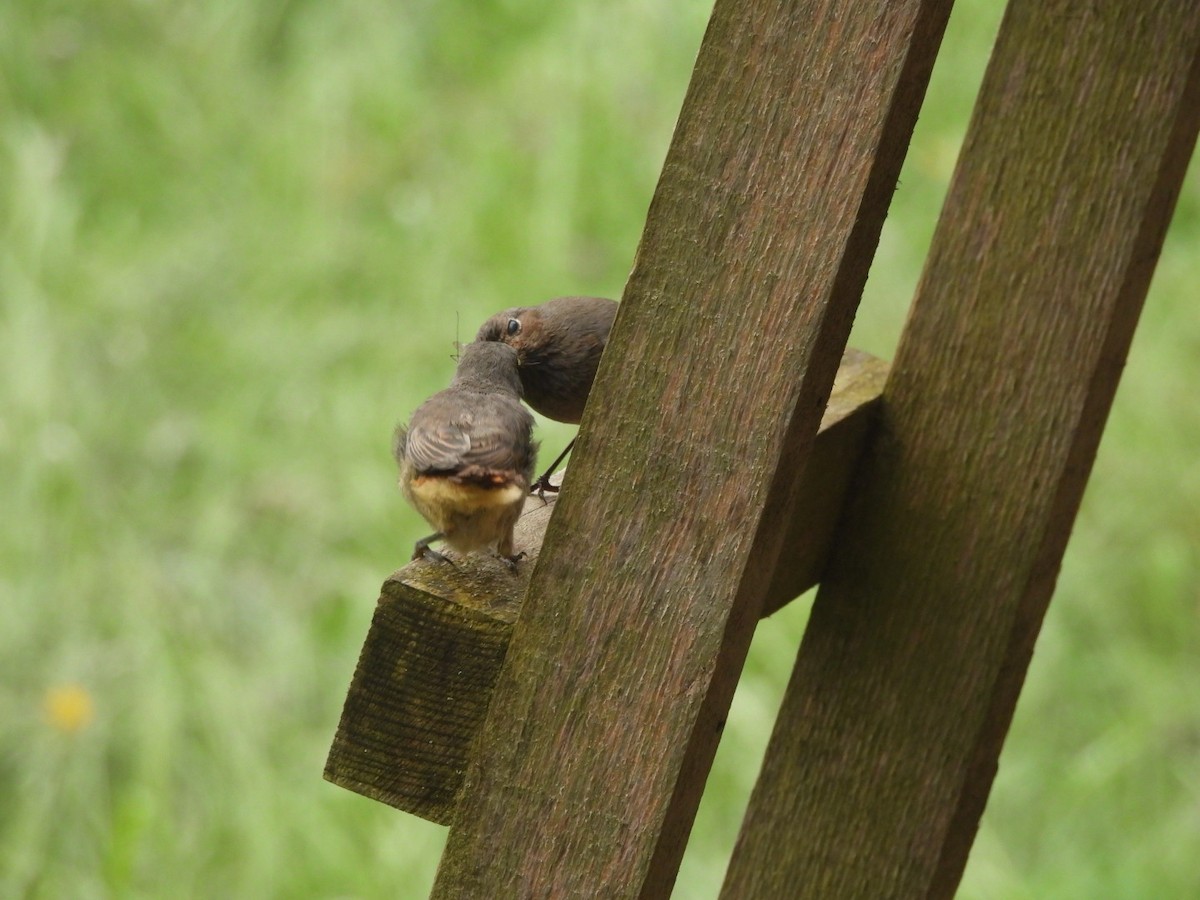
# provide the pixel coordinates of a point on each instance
(923, 627)
(608, 708)
(439, 634)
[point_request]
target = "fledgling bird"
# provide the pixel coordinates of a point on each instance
(467, 455)
(558, 346)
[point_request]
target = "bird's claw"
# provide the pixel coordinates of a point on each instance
(422, 550)
(511, 561)
(543, 486)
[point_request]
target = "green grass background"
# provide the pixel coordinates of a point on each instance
(239, 240)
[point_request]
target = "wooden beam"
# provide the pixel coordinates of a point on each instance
(439, 634)
(640, 610)
(906, 680)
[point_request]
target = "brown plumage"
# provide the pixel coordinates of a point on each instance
(558, 346)
(467, 455)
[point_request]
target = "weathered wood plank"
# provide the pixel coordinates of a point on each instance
(640, 610)
(825, 481)
(439, 634)
(906, 680)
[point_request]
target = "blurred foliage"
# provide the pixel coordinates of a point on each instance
(239, 241)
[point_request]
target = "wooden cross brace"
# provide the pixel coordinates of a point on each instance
(666, 541)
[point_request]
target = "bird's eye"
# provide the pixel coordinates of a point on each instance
(514, 327)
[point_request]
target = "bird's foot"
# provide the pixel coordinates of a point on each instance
(511, 561)
(542, 487)
(422, 550)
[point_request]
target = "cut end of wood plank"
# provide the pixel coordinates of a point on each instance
(426, 673)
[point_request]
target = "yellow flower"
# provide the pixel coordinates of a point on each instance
(69, 708)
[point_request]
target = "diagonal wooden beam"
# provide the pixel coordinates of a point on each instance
(439, 634)
(640, 610)
(887, 743)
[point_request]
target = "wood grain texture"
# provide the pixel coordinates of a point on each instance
(608, 709)
(439, 634)
(906, 680)
(420, 690)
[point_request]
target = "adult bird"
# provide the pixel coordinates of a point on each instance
(558, 344)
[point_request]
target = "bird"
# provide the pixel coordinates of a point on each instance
(467, 455)
(559, 344)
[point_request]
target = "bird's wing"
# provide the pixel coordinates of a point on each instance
(500, 435)
(473, 430)
(436, 442)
